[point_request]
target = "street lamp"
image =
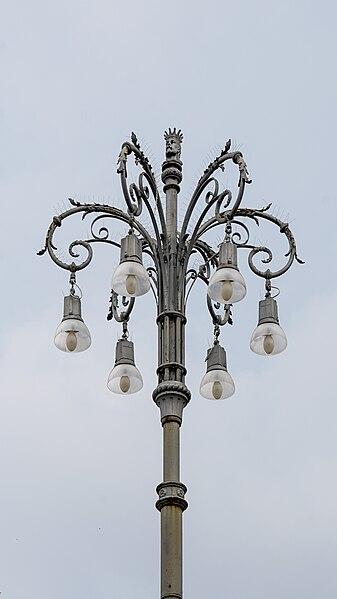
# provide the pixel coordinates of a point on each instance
(171, 277)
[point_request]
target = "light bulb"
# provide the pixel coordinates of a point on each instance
(217, 390)
(124, 384)
(227, 290)
(130, 284)
(226, 285)
(268, 344)
(71, 341)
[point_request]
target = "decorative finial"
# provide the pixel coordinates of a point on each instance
(173, 140)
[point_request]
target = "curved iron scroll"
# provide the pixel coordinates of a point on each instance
(114, 308)
(236, 237)
(102, 235)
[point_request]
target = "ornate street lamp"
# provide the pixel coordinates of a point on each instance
(171, 277)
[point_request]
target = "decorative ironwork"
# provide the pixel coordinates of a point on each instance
(179, 256)
(127, 303)
(156, 245)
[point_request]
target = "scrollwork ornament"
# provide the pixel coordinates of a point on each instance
(244, 174)
(220, 319)
(222, 216)
(127, 302)
(107, 212)
(217, 196)
(122, 159)
(237, 236)
(219, 207)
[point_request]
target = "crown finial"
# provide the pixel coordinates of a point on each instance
(173, 140)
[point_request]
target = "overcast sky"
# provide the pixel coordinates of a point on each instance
(79, 466)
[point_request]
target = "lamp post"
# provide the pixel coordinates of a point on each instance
(171, 277)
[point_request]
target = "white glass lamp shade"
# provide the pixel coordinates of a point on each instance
(72, 335)
(125, 379)
(131, 279)
(227, 286)
(217, 384)
(268, 339)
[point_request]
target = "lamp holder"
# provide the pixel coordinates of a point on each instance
(228, 255)
(72, 307)
(131, 249)
(216, 358)
(124, 352)
(268, 310)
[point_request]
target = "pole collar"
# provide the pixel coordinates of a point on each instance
(171, 493)
(171, 397)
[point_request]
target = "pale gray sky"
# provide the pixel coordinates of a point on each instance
(79, 466)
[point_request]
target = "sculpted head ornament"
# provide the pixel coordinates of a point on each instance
(173, 140)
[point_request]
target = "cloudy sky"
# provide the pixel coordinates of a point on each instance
(78, 465)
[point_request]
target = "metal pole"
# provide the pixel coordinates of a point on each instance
(171, 395)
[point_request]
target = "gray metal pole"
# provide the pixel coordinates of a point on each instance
(171, 395)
